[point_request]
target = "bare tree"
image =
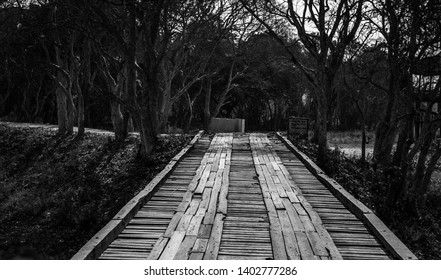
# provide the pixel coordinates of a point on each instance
(411, 34)
(325, 30)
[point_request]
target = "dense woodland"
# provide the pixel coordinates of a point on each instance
(157, 66)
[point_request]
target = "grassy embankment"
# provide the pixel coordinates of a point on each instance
(422, 234)
(57, 192)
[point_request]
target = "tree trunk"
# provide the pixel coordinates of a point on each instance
(400, 167)
(65, 104)
(4, 97)
(189, 113)
(422, 189)
(128, 123)
(387, 128)
(117, 121)
(207, 113)
(148, 137)
(86, 85)
(165, 101)
(363, 140)
(80, 114)
(421, 164)
(419, 174)
(80, 106)
(384, 141)
(321, 118)
(61, 110)
(148, 121)
(70, 111)
(117, 116)
(322, 140)
(164, 116)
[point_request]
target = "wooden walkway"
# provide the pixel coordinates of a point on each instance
(241, 196)
(350, 235)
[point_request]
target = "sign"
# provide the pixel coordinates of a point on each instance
(298, 127)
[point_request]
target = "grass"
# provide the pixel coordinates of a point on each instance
(421, 233)
(348, 137)
(57, 192)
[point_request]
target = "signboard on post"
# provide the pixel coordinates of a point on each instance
(298, 127)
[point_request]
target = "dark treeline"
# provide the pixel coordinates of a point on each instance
(155, 65)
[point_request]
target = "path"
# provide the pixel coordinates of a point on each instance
(241, 196)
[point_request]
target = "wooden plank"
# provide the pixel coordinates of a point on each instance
(215, 238)
(223, 202)
(204, 202)
(194, 225)
(195, 180)
(158, 248)
(307, 223)
(278, 245)
(173, 245)
(196, 256)
(272, 214)
(204, 231)
(200, 245)
(184, 222)
(173, 224)
(204, 178)
(294, 217)
(306, 251)
(388, 238)
(291, 246)
(99, 242)
(317, 244)
(329, 244)
(299, 209)
(212, 206)
(193, 207)
(184, 250)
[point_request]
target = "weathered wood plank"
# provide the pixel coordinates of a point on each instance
(158, 248)
(215, 238)
(184, 250)
(173, 224)
(173, 245)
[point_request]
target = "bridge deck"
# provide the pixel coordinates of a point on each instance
(243, 196)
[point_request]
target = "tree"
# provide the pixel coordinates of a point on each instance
(410, 31)
(23, 89)
(362, 80)
(189, 52)
(270, 88)
(325, 30)
(142, 37)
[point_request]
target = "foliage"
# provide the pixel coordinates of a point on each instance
(57, 192)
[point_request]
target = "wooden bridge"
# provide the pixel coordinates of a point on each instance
(243, 196)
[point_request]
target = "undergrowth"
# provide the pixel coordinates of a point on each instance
(56, 191)
(421, 233)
